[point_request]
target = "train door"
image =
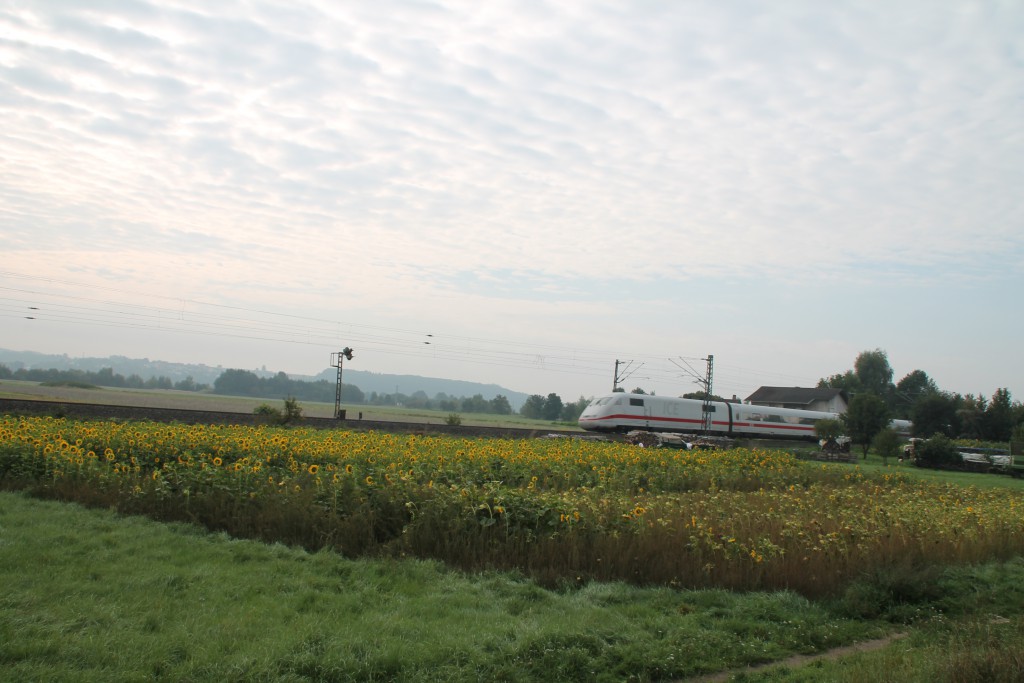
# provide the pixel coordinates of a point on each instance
(645, 408)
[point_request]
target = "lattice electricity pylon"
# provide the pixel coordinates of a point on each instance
(337, 359)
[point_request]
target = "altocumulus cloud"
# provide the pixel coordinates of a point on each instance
(445, 149)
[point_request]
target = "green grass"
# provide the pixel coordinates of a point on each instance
(92, 596)
(875, 463)
(986, 650)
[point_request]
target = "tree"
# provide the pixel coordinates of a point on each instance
(912, 388)
(971, 413)
(158, 383)
(935, 414)
(703, 395)
(237, 383)
(277, 385)
(419, 399)
(533, 407)
(475, 404)
(571, 411)
(828, 429)
(874, 372)
(105, 377)
(187, 384)
(847, 381)
(500, 405)
(887, 444)
(350, 393)
(864, 418)
(552, 407)
(871, 373)
(997, 422)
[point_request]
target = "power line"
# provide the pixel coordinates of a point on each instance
(189, 316)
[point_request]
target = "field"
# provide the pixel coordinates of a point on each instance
(90, 595)
(565, 516)
(191, 400)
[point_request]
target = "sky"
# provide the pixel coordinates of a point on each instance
(520, 193)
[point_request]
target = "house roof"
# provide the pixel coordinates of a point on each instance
(794, 395)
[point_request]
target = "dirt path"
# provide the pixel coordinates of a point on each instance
(800, 660)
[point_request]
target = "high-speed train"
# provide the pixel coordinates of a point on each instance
(621, 412)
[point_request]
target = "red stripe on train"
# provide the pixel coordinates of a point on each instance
(751, 425)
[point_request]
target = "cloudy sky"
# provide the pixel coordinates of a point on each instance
(519, 192)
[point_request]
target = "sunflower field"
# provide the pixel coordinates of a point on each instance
(559, 510)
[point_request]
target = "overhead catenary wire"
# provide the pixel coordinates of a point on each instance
(187, 316)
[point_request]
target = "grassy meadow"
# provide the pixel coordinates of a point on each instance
(91, 595)
(300, 554)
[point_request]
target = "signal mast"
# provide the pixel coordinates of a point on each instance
(337, 359)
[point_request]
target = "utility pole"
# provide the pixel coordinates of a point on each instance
(708, 407)
(337, 359)
(625, 372)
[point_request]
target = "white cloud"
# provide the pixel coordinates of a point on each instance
(409, 153)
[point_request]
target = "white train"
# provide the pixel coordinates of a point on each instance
(620, 412)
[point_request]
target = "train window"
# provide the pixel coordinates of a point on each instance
(754, 417)
(636, 402)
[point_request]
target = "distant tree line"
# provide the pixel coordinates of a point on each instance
(104, 377)
(246, 383)
(499, 405)
(875, 399)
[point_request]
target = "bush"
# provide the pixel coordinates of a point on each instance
(270, 415)
(938, 451)
(292, 410)
(899, 594)
(453, 420)
(887, 444)
(828, 429)
(267, 413)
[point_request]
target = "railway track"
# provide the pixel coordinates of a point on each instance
(103, 411)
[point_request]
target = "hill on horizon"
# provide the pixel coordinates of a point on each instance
(368, 382)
